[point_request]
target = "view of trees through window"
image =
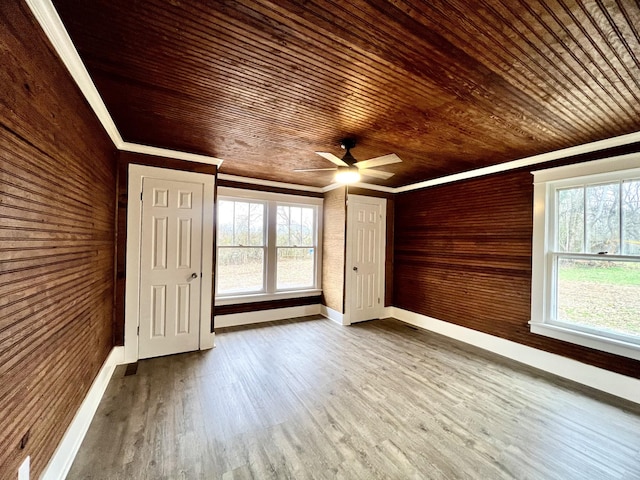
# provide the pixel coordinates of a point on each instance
(600, 291)
(295, 247)
(243, 246)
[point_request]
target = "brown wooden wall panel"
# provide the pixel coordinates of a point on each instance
(268, 305)
(463, 255)
(124, 159)
(57, 203)
(333, 245)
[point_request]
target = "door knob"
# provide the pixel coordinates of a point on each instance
(355, 269)
(193, 275)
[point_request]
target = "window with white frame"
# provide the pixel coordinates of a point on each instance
(267, 245)
(586, 254)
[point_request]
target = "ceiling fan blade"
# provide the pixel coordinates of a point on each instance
(332, 158)
(379, 161)
(313, 169)
(368, 172)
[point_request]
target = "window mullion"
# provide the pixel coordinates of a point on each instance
(270, 248)
(621, 250)
(584, 219)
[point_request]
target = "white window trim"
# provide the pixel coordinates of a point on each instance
(545, 184)
(272, 293)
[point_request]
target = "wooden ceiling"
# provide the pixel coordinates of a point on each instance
(448, 85)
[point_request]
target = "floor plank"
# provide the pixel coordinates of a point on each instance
(309, 399)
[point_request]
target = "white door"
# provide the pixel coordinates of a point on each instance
(365, 257)
(170, 267)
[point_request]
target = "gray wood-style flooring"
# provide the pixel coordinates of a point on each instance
(312, 399)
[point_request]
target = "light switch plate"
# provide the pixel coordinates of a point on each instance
(23, 471)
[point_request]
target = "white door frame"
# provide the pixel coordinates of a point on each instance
(134, 234)
(349, 282)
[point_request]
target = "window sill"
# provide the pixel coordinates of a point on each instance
(604, 344)
(265, 297)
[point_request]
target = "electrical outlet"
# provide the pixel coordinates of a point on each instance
(23, 471)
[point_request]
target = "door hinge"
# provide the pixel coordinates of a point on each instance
(140, 196)
(138, 331)
(378, 299)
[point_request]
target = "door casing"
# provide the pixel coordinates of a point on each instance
(132, 284)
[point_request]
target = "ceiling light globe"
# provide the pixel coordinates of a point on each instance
(347, 175)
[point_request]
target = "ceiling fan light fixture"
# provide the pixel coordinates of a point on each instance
(347, 175)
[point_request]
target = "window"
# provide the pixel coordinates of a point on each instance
(586, 255)
(241, 246)
(267, 246)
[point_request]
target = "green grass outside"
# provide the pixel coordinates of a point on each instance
(628, 274)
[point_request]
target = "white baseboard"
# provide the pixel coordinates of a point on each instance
(248, 318)
(64, 455)
(598, 378)
(333, 315)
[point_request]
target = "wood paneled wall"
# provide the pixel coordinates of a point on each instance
(463, 255)
(57, 204)
(333, 245)
(124, 159)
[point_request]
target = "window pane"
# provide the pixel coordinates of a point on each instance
(631, 217)
(225, 222)
(295, 226)
(240, 270)
(295, 268)
(282, 234)
(308, 233)
(570, 227)
(241, 223)
(256, 224)
(603, 218)
(597, 294)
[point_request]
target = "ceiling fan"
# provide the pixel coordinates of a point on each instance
(349, 169)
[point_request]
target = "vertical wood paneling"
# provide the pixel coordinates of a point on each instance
(57, 199)
(124, 159)
(463, 255)
(333, 248)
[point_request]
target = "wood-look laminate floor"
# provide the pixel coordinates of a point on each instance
(312, 399)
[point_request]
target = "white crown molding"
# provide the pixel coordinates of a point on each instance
(50, 21)
(268, 183)
(165, 152)
(528, 161)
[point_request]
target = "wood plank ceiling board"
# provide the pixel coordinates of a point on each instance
(448, 85)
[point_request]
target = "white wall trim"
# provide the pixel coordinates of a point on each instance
(260, 316)
(132, 285)
(268, 183)
(333, 315)
(165, 152)
(598, 378)
(63, 457)
(528, 161)
(50, 22)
